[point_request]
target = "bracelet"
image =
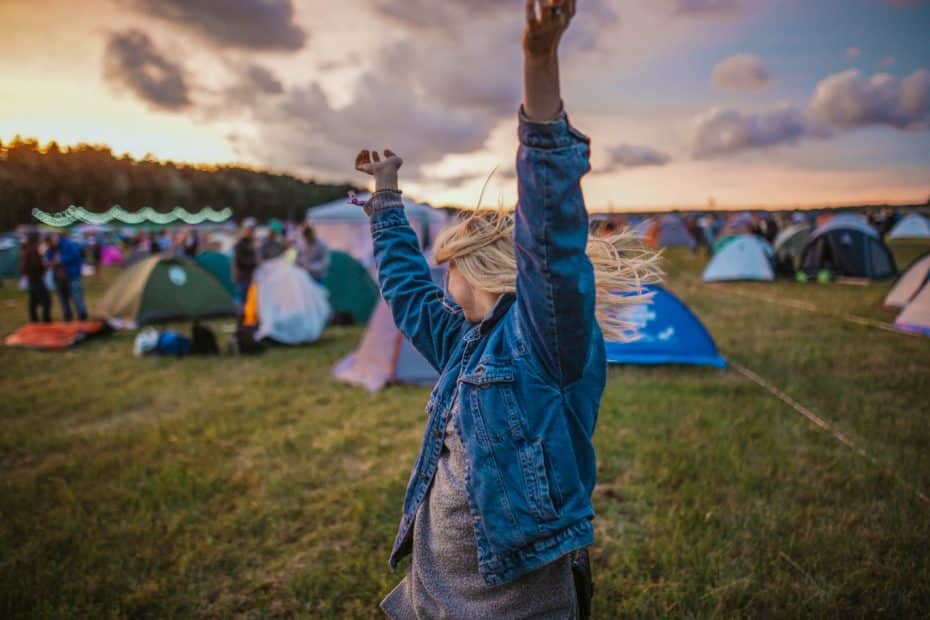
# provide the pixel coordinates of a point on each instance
(387, 191)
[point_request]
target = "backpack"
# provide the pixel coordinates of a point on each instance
(203, 341)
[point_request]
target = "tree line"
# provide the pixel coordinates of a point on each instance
(51, 178)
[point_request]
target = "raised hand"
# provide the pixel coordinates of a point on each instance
(384, 170)
(546, 22)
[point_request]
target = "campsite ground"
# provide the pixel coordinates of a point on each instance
(258, 486)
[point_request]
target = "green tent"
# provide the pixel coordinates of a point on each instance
(352, 292)
(219, 266)
(164, 288)
(9, 257)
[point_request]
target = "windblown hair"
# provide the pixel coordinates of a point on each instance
(481, 246)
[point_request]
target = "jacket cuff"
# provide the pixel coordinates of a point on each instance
(555, 134)
(386, 210)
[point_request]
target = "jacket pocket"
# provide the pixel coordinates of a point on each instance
(533, 464)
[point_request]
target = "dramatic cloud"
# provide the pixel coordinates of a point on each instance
(247, 24)
(131, 61)
(849, 100)
(721, 132)
(743, 72)
(304, 130)
(841, 102)
(634, 156)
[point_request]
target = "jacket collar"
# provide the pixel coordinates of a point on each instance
(492, 318)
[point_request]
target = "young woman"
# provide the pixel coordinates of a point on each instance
(499, 501)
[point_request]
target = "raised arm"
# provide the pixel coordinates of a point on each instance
(431, 324)
(555, 279)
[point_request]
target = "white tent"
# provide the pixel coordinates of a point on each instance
(344, 226)
(913, 226)
(292, 308)
(916, 316)
(909, 283)
(746, 257)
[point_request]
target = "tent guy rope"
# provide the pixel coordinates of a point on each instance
(825, 425)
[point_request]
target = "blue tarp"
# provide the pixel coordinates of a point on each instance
(671, 334)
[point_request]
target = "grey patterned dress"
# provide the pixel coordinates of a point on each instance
(443, 579)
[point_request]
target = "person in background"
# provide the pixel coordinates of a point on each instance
(312, 254)
(191, 242)
(64, 256)
(33, 268)
(244, 260)
(164, 242)
(273, 245)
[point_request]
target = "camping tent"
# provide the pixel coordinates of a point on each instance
(916, 315)
(9, 257)
(788, 246)
(219, 266)
(909, 284)
(913, 226)
(353, 294)
(385, 356)
(850, 248)
(292, 308)
(670, 334)
(746, 257)
(737, 224)
(669, 231)
(344, 227)
(163, 288)
(111, 255)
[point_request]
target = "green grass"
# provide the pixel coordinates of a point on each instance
(258, 486)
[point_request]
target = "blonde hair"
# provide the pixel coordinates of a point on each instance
(481, 246)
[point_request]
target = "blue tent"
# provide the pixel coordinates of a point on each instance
(671, 334)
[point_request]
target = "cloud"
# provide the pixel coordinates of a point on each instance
(634, 156)
(743, 72)
(697, 8)
(841, 102)
(720, 132)
(131, 61)
(303, 130)
(849, 100)
(247, 24)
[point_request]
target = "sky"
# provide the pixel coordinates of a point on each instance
(687, 102)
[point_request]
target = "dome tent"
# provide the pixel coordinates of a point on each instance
(669, 231)
(163, 288)
(746, 257)
(848, 248)
(385, 356)
(218, 265)
(788, 246)
(912, 226)
(916, 315)
(669, 334)
(353, 294)
(344, 227)
(292, 308)
(9, 257)
(909, 283)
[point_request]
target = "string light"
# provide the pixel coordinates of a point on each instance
(148, 215)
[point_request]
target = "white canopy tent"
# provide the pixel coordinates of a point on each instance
(344, 226)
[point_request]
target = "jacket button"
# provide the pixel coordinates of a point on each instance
(479, 371)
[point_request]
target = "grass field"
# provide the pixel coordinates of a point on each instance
(259, 487)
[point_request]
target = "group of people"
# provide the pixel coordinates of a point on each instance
(54, 263)
(311, 254)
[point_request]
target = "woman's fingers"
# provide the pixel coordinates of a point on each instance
(362, 160)
(375, 157)
(531, 17)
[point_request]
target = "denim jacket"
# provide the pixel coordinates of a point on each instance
(529, 377)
